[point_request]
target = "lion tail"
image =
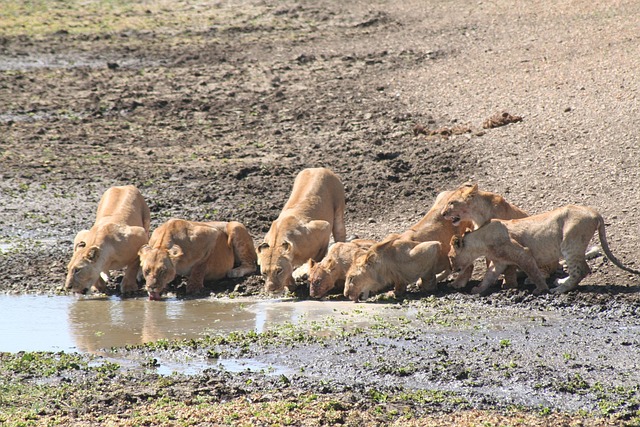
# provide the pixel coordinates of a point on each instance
(605, 247)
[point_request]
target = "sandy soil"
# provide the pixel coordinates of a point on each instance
(213, 118)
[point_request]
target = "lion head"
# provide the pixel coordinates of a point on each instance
(321, 278)
(459, 257)
(457, 206)
(83, 270)
(158, 268)
(361, 277)
(276, 266)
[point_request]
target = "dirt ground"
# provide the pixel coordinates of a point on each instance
(211, 108)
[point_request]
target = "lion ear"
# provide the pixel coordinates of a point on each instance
(93, 254)
(144, 250)
(470, 190)
(79, 245)
(312, 263)
(175, 251)
(369, 257)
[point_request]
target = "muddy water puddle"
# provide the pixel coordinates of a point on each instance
(96, 324)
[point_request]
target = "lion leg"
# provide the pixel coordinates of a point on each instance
(573, 248)
(101, 284)
(522, 257)
(578, 269)
(195, 281)
(399, 289)
(491, 276)
(510, 277)
(129, 282)
(339, 230)
(302, 272)
(442, 276)
(428, 283)
(244, 253)
(321, 253)
(319, 232)
(463, 278)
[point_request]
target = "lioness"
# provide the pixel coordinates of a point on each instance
(313, 212)
(203, 251)
(394, 262)
(435, 227)
(120, 229)
(468, 203)
(332, 270)
(534, 241)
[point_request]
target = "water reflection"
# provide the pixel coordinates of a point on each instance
(93, 324)
(97, 324)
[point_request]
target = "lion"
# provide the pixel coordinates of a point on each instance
(202, 251)
(394, 262)
(331, 272)
(120, 229)
(435, 227)
(314, 211)
(534, 241)
(468, 203)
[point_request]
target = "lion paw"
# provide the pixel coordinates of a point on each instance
(561, 289)
(476, 290)
(542, 291)
(458, 284)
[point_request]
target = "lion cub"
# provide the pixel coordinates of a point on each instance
(534, 241)
(394, 262)
(120, 229)
(332, 270)
(469, 204)
(314, 211)
(203, 251)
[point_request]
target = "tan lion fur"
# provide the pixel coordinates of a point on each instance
(394, 262)
(313, 212)
(202, 251)
(469, 204)
(534, 241)
(120, 229)
(331, 272)
(434, 227)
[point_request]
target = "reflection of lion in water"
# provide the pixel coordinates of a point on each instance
(120, 229)
(203, 251)
(534, 241)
